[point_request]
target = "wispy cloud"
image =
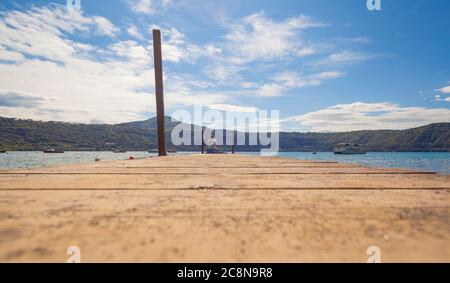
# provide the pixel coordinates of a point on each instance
(439, 98)
(257, 37)
(232, 108)
(110, 84)
(14, 98)
(176, 48)
(112, 81)
(286, 81)
(444, 89)
(342, 58)
(133, 31)
(10, 56)
(369, 116)
(147, 6)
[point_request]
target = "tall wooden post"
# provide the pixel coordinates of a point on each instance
(159, 91)
(203, 141)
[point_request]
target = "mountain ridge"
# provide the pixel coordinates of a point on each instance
(21, 134)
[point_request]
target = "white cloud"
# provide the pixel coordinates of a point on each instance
(39, 31)
(184, 90)
(14, 98)
(328, 75)
(84, 82)
(74, 81)
(232, 108)
(439, 97)
(147, 6)
(176, 48)
(296, 80)
(305, 51)
(132, 51)
(248, 84)
(134, 32)
(444, 89)
(105, 26)
(257, 37)
(370, 116)
(343, 57)
(291, 80)
(347, 56)
(11, 56)
(142, 6)
(271, 90)
(224, 73)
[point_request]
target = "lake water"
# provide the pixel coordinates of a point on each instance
(427, 161)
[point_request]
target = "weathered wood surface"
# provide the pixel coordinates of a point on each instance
(223, 208)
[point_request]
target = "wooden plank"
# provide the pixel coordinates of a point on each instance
(226, 181)
(223, 208)
(225, 226)
(229, 170)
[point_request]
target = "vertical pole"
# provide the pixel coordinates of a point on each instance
(232, 149)
(203, 142)
(159, 91)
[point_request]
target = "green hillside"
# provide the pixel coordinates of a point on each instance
(16, 134)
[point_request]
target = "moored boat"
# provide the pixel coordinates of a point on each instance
(349, 148)
(52, 150)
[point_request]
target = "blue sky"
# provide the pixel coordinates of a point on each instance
(325, 65)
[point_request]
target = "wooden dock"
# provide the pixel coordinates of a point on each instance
(223, 208)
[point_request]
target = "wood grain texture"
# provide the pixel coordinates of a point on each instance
(223, 208)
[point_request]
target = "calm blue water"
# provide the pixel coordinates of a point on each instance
(426, 161)
(429, 161)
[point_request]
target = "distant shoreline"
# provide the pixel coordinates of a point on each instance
(236, 150)
(29, 135)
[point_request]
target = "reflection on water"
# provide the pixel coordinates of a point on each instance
(428, 161)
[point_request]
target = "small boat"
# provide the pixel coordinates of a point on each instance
(153, 151)
(349, 148)
(2, 151)
(52, 150)
(172, 151)
(119, 151)
(314, 152)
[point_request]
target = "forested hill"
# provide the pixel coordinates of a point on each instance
(16, 134)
